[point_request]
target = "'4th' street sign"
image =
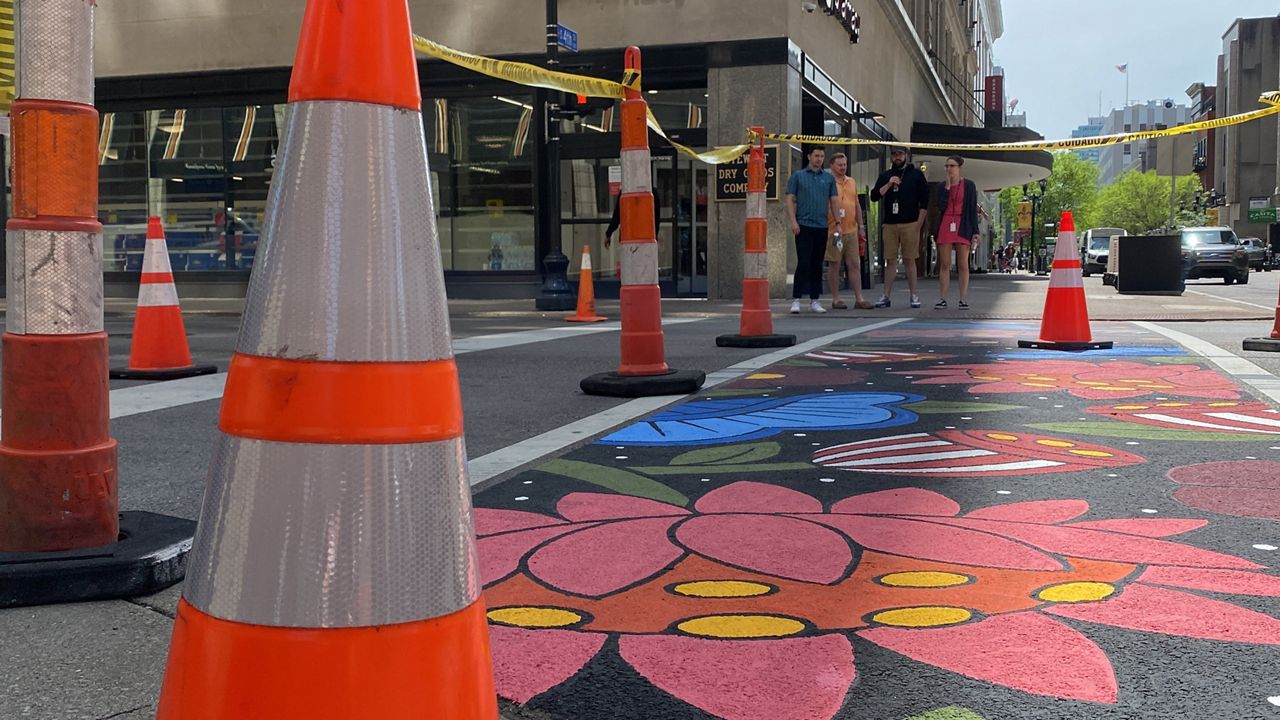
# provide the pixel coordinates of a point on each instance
(566, 38)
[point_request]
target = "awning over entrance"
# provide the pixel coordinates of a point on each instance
(988, 170)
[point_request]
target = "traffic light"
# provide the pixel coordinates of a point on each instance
(575, 106)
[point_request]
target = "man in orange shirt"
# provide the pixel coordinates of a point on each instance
(846, 239)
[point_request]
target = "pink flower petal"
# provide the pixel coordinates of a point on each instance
(902, 501)
(581, 506)
(930, 541)
(500, 555)
(527, 663)
(1102, 545)
(1147, 527)
(779, 546)
(491, 521)
(1262, 474)
(754, 497)
(606, 558)
(1241, 502)
(1025, 651)
(1234, 582)
(1174, 612)
(1046, 512)
(774, 679)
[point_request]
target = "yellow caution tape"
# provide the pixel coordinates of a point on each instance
(8, 75)
(534, 76)
(1270, 99)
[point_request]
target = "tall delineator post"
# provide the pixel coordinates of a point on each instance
(643, 369)
(755, 326)
(61, 537)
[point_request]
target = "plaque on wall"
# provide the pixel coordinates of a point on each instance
(731, 178)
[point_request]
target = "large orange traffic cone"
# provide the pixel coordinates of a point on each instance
(1267, 344)
(586, 293)
(1065, 325)
(334, 572)
(160, 350)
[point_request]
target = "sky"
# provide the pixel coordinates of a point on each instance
(1058, 56)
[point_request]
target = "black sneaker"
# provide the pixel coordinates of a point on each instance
(941, 305)
(962, 305)
(884, 302)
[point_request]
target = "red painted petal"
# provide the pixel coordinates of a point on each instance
(930, 541)
(1233, 582)
(527, 663)
(491, 521)
(1102, 545)
(1261, 474)
(773, 679)
(581, 506)
(1025, 651)
(1241, 502)
(779, 546)
(606, 558)
(500, 555)
(754, 497)
(1046, 512)
(1173, 612)
(1146, 527)
(902, 501)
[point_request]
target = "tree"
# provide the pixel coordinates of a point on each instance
(1072, 185)
(1139, 202)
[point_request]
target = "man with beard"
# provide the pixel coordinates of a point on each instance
(904, 199)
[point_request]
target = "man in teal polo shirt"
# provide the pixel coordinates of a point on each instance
(811, 195)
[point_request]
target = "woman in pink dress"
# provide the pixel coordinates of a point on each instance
(958, 229)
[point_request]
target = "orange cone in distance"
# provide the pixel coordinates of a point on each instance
(586, 293)
(160, 350)
(1267, 344)
(1065, 325)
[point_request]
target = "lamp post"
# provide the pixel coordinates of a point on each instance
(556, 294)
(1036, 263)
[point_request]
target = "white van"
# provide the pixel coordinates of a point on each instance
(1095, 248)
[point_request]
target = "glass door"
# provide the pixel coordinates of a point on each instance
(691, 227)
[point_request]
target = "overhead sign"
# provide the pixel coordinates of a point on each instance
(566, 38)
(844, 12)
(1259, 202)
(731, 177)
(1263, 215)
(1024, 215)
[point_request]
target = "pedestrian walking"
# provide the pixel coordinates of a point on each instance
(811, 199)
(846, 239)
(958, 230)
(903, 194)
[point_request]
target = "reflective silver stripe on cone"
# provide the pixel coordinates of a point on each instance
(155, 258)
(327, 536)
(1066, 279)
(157, 295)
(351, 265)
(755, 265)
(55, 50)
(755, 204)
(640, 263)
(637, 173)
(54, 280)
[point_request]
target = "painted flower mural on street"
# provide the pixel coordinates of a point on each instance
(1244, 488)
(745, 606)
(780, 376)
(751, 418)
(876, 357)
(970, 453)
(1112, 379)
(1232, 416)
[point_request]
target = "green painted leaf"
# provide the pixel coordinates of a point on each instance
(721, 469)
(615, 479)
(729, 454)
(1134, 431)
(936, 407)
(798, 362)
(951, 712)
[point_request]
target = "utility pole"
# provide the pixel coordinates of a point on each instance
(556, 293)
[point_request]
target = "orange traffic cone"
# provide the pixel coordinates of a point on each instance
(1065, 325)
(160, 350)
(334, 571)
(586, 293)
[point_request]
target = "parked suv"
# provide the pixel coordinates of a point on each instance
(1259, 253)
(1214, 252)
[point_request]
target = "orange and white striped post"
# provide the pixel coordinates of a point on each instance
(755, 327)
(58, 483)
(1065, 324)
(334, 573)
(643, 370)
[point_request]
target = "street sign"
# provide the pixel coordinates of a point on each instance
(1263, 215)
(566, 38)
(1024, 215)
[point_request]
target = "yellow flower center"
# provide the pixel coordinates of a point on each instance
(924, 579)
(722, 589)
(1223, 404)
(741, 626)
(1090, 453)
(765, 376)
(920, 617)
(1002, 436)
(535, 617)
(1076, 592)
(1055, 443)
(1126, 407)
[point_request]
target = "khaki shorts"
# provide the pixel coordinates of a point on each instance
(904, 237)
(850, 249)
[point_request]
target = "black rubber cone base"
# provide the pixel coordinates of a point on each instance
(150, 556)
(755, 341)
(163, 374)
(672, 382)
(1262, 344)
(1066, 346)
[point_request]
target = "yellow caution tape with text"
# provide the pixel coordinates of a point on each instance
(534, 76)
(8, 75)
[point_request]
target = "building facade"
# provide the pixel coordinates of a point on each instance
(1204, 152)
(1116, 160)
(193, 102)
(1093, 128)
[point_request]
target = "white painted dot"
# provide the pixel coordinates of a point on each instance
(1250, 457)
(522, 498)
(706, 479)
(1133, 442)
(801, 435)
(1058, 406)
(815, 444)
(1083, 418)
(527, 482)
(620, 457)
(1149, 511)
(965, 417)
(1263, 546)
(765, 395)
(910, 377)
(1274, 700)
(1043, 398)
(828, 390)
(1274, 447)
(950, 427)
(1004, 492)
(1112, 475)
(870, 383)
(1162, 398)
(826, 480)
(619, 447)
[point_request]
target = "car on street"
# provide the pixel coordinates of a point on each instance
(1095, 249)
(1259, 253)
(1214, 252)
